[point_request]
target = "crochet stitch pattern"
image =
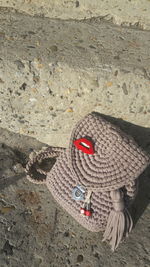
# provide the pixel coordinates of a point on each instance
(108, 175)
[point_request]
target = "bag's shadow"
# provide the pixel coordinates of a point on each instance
(142, 137)
(14, 152)
(22, 145)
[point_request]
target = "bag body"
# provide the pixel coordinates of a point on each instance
(95, 179)
(61, 182)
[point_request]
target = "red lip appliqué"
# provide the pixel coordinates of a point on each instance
(85, 145)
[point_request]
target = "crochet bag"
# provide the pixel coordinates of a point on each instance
(95, 179)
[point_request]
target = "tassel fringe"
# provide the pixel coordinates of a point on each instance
(119, 223)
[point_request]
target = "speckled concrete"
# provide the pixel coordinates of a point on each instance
(127, 12)
(54, 72)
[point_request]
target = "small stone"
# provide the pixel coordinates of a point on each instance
(66, 234)
(17, 93)
(95, 83)
(23, 86)
(31, 46)
(40, 66)
(141, 109)
(34, 90)
(69, 110)
(1, 81)
(108, 84)
(50, 91)
(116, 73)
(124, 88)
(96, 255)
(91, 46)
(117, 57)
(38, 43)
(10, 90)
(80, 258)
(6, 209)
(54, 48)
(18, 168)
(36, 79)
(32, 99)
(31, 32)
(77, 3)
(22, 130)
(8, 249)
(19, 64)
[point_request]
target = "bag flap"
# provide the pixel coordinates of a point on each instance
(102, 157)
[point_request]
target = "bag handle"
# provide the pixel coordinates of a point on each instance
(38, 157)
(132, 189)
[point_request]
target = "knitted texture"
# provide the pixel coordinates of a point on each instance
(60, 182)
(117, 160)
(106, 162)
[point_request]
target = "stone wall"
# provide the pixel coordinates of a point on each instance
(53, 72)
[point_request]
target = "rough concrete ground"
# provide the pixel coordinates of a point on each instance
(36, 232)
(53, 72)
(128, 12)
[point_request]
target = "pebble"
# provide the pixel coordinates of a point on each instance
(18, 168)
(79, 258)
(54, 48)
(19, 64)
(124, 88)
(1, 81)
(69, 110)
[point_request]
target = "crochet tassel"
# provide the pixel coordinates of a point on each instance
(119, 221)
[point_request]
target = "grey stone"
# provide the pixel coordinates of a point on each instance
(124, 87)
(19, 64)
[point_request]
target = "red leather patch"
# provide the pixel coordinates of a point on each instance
(85, 145)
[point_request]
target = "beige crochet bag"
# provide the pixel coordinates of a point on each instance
(95, 179)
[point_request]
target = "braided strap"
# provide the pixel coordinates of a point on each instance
(132, 189)
(37, 158)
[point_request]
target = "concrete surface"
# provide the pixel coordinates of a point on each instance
(127, 12)
(36, 232)
(53, 72)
